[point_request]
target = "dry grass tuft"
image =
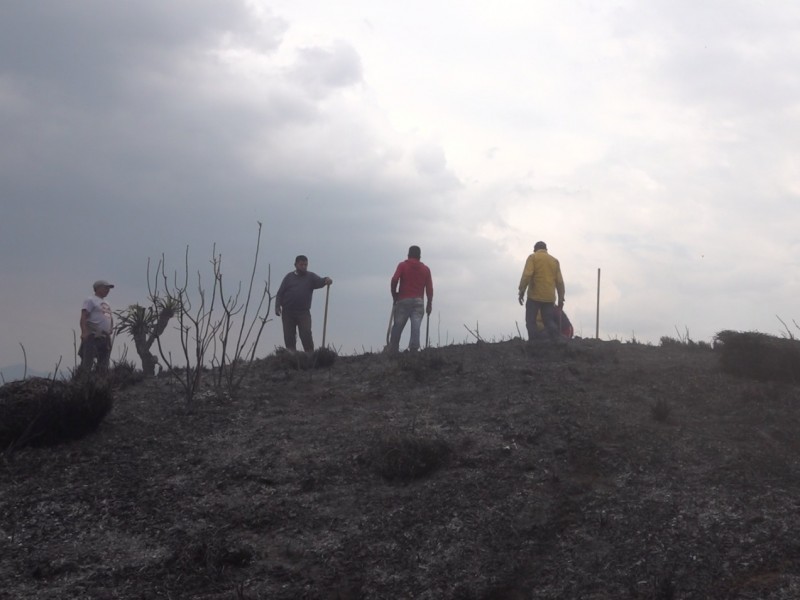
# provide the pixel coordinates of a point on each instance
(46, 412)
(124, 374)
(685, 342)
(324, 357)
(286, 360)
(759, 356)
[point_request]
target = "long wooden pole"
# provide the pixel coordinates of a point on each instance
(427, 329)
(389, 328)
(325, 319)
(597, 316)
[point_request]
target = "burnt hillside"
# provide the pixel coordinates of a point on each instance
(593, 470)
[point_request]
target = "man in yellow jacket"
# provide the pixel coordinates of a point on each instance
(542, 278)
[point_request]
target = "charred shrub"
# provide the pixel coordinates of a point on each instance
(408, 456)
(46, 412)
(759, 356)
(661, 410)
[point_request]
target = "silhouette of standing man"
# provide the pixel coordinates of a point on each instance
(414, 279)
(542, 278)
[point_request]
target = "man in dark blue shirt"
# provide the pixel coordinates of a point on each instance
(293, 303)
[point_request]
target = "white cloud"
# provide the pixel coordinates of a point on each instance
(654, 141)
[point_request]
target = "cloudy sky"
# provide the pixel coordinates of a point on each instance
(655, 141)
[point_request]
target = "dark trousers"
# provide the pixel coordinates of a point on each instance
(94, 349)
(297, 321)
(532, 308)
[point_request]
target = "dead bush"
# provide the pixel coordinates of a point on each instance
(759, 356)
(661, 410)
(46, 412)
(408, 456)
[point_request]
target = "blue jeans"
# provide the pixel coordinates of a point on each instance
(413, 308)
(532, 307)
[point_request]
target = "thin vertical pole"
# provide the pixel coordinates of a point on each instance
(597, 316)
(427, 329)
(325, 320)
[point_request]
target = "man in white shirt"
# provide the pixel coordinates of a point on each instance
(97, 325)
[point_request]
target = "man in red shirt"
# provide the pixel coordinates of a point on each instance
(414, 279)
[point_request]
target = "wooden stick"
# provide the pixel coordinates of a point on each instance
(597, 317)
(325, 320)
(389, 329)
(427, 328)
